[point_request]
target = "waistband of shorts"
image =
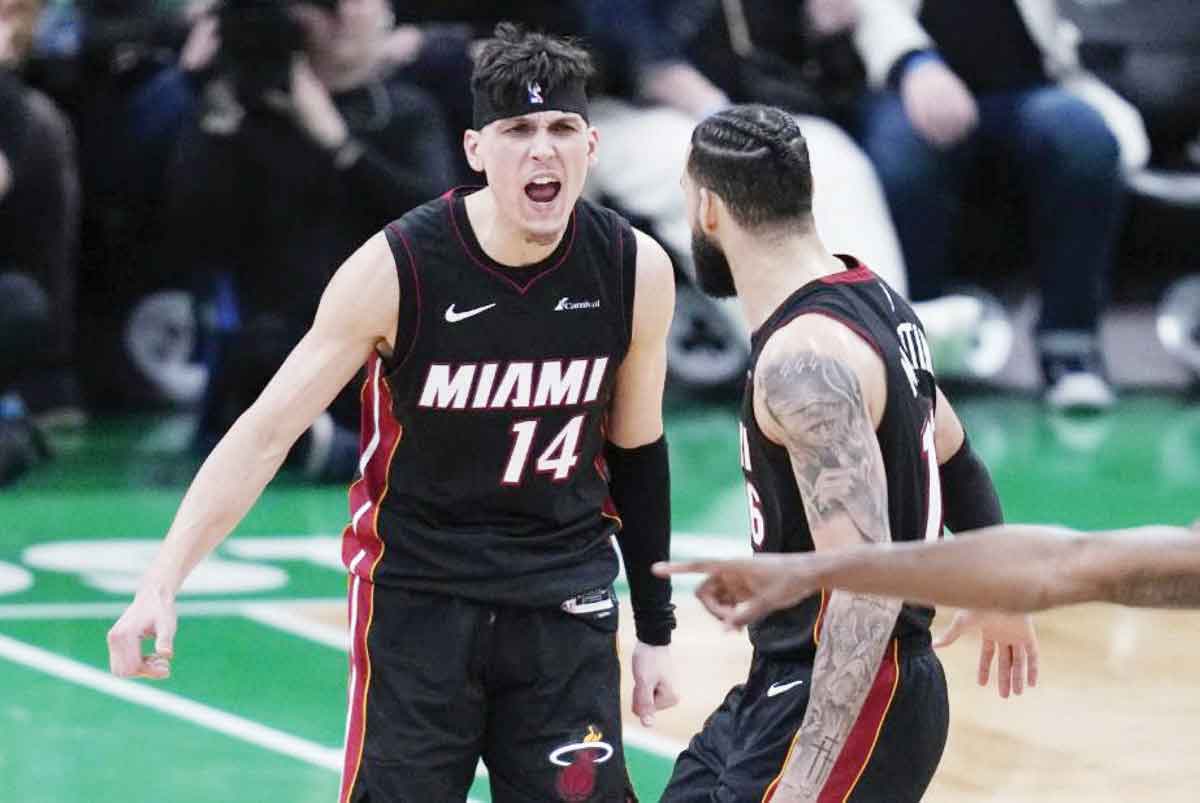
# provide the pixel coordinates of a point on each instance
(916, 643)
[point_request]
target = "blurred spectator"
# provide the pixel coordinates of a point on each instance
(688, 59)
(431, 48)
(665, 64)
(110, 63)
(965, 85)
(26, 326)
(39, 218)
(306, 144)
(662, 66)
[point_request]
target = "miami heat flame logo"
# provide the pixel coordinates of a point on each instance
(535, 93)
(577, 778)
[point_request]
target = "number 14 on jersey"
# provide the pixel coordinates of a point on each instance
(558, 459)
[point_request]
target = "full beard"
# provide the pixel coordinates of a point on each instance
(713, 273)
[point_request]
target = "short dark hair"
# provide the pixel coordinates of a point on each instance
(513, 58)
(755, 158)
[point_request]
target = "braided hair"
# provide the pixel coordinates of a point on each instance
(755, 158)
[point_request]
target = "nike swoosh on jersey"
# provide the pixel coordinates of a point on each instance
(454, 317)
(780, 688)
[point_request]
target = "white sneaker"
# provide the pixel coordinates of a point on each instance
(969, 334)
(1080, 392)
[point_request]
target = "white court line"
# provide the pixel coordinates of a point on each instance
(290, 619)
(278, 614)
(696, 545)
(172, 704)
(111, 610)
(651, 741)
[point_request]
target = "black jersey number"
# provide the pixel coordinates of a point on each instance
(558, 459)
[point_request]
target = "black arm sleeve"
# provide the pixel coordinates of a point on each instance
(640, 487)
(969, 498)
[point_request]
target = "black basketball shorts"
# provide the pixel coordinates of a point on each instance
(438, 683)
(889, 757)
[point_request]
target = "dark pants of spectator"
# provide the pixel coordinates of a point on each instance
(1063, 159)
(26, 328)
(246, 360)
(26, 337)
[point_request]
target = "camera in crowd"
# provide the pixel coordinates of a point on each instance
(259, 38)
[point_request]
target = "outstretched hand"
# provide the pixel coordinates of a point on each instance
(311, 106)
(741, 592)
(939, 104)
(1009, 638)
(832, 16)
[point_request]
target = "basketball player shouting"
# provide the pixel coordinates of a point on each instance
(508, 331)
(845, 439)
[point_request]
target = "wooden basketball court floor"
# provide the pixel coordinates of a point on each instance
(254, 711)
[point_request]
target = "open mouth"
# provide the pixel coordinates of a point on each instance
(542, 191)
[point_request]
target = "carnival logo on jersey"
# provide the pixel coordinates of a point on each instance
(520, 385)
(566, 304)
(577, 778)
(535, 93)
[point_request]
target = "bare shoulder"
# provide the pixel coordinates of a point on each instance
(654, 269)
(654, 296)
(363, 298)
(815, 363)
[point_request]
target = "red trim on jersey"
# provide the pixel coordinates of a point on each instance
(416, 328)
(860, 744)
(855, 272)
(362, 551)
(620, 268)
(362, 543)
(520, 288)
(361, 605)
(608, 508)
(853, 326)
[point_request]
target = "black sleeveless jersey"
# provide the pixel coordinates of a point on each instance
(865, 304)
(482, 436)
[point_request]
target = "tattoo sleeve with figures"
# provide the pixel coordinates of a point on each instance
(818, 404)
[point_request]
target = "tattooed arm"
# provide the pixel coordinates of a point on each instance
(813, 403)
